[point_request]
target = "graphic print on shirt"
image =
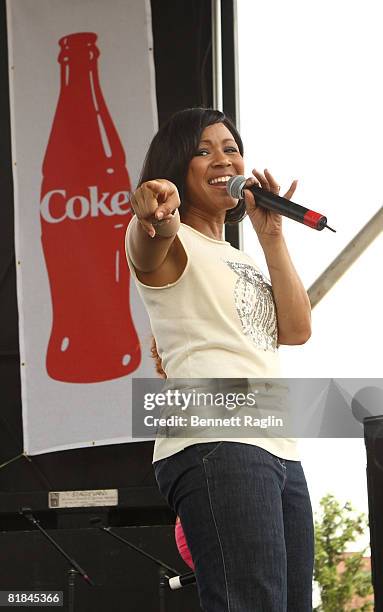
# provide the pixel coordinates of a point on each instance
(255, 306)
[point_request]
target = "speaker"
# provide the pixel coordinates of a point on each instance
(373, 436)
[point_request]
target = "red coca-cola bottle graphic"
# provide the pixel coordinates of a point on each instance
(84, 214)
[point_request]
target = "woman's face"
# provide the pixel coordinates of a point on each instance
(216, 160)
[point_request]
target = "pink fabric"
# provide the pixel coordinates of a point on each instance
(182, 546)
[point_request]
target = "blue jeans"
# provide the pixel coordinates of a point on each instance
(248, 522)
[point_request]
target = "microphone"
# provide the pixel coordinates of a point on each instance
(177, 582)
(277, 204)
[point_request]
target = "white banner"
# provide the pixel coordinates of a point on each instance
(83, 112)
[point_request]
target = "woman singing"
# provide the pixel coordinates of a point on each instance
(243, 502)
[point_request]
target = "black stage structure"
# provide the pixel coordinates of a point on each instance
(373, 437)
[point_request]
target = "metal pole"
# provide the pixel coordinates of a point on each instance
(217, 54)
(236, 66)
(237, 105)
(346, 258)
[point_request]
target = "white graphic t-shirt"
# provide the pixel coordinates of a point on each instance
(218, 320)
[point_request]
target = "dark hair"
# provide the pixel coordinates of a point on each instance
(175, 144)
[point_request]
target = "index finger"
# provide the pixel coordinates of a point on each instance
(156, 187)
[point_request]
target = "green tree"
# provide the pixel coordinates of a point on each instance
(338, 526)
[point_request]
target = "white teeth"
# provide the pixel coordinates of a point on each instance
(220, 179)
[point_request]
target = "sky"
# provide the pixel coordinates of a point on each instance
(310, 109)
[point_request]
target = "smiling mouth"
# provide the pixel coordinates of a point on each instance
(220, 181)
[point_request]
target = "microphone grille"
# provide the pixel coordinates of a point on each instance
(235, 186)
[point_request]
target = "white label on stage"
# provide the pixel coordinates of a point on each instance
(78, 499)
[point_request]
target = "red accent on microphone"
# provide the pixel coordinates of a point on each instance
(312, 218)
